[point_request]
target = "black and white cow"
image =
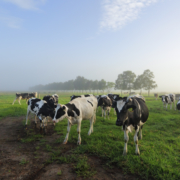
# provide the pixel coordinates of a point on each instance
(131, 119)
(52, 100)
(25, 96)
(41, 109)
(75, 111)
(178, 104)
(168, 99)
(106, 103)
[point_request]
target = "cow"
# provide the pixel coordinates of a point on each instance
(25, 96)
(52, 100)
(168, 99)
(156, 95)
(130, 120)
(178, 104)
(75, 111)
(41, 109)
(132, 93)
(105, 102)
(113, 97)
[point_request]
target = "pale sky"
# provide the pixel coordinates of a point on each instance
(43, 41)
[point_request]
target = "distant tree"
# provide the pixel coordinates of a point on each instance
(119, 83)
(148, 77)
(110, 85)
(139, 83)
(128, 80)
(102, 85)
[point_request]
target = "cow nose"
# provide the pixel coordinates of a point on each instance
(118, 123)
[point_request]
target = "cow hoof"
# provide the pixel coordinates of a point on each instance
(124, 153)
(65, 142)
(78, 143)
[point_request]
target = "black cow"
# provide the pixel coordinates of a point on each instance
(41, 109)
(131, 119)
(25, 96)
(168, 99)
(178, 104)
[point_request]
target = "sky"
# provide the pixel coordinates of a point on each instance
(43, 41)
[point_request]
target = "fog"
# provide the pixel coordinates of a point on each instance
(43, 44)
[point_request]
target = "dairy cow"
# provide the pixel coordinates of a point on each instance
(75, 111)
(41, 109)
(25, 96)
(168, 99)
(130, 120)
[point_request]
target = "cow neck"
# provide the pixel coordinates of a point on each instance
(71, 108)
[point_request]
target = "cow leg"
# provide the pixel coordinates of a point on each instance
(136, 140)
(114, 111)
(19, 100)
(91, 126)
(140, 132)
(67, 135)
(166, 106)
(28, 112)
(14, 101)
(126, 139)
(79, 131)
(104, 114)
(171, 106)
(35, 119)
(94, 118)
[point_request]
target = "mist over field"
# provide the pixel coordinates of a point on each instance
(44, 42)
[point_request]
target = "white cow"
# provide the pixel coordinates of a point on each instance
(75, 111)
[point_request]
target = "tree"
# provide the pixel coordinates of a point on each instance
(119, 83)
(128, 80)
(110, 85)
(148, 80)
(102, 85)
(139, 83)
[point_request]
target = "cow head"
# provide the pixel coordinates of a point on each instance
(122, 106)
(60, 113)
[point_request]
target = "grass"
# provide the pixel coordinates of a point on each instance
(159, 148)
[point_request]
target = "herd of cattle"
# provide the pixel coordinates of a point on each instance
(131, 111)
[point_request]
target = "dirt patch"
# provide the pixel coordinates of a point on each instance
(32, 160)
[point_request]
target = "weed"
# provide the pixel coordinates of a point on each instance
(23, 162)
(59, 173)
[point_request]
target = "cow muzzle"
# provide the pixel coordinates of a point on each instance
(119, 123)
(54, 120)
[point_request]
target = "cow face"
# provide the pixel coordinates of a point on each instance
(60, 113)
(122, 110)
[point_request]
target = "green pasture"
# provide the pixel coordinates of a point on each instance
(159, 149)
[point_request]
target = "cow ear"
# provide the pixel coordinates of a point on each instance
(63, 107)
(131, 106)
(160, 96)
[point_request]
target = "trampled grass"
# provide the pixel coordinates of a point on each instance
(159, 149)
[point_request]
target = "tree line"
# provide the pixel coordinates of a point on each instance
(125, 81)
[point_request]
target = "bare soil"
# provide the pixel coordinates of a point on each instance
(24, 161)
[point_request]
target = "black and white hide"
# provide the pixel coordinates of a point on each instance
(105, 102)
(74, 97)
(52, 100)
(75, 111)
(178, 104)
(41, 109)
(130, 120)
(25, 96)
(168, 99)
(113, 97)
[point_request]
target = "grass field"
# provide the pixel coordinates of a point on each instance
(159, 149)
